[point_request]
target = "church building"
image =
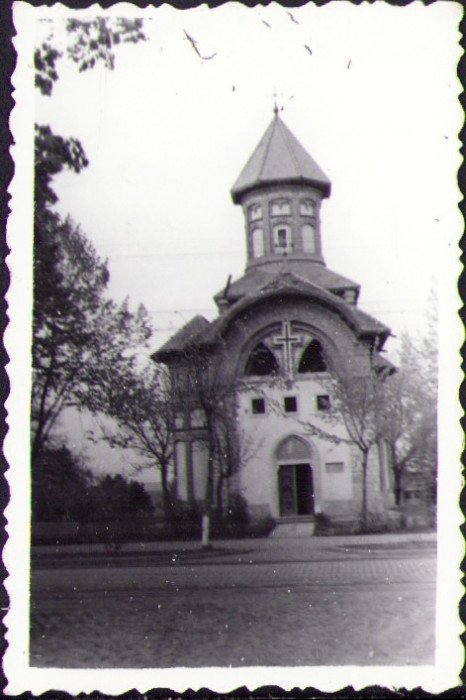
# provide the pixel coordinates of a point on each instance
(279, 328)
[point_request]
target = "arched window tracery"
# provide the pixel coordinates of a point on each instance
(293, 447)
(312, 359)
(261, 362)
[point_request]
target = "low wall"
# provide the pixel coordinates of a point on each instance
(74, 533)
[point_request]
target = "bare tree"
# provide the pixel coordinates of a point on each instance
(140, 403)
(411, 413)
(199, 382)
(358, 399)
(233, 447)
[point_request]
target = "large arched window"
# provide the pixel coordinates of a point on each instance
(261, 362)
(257, 243)
(308, 237)
(312, 359)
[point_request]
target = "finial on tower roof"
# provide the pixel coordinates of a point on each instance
(275, 109)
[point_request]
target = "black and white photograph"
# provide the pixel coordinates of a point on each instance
(234, 440)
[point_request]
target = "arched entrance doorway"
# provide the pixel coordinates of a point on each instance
(295, 478)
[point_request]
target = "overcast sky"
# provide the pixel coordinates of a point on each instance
(369, 90)
(167, 133)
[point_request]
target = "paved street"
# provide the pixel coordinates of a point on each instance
(252, 602)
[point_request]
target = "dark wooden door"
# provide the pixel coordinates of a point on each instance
(304, 489)
(287, 489)
(296, 490)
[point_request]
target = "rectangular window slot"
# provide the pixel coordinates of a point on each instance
(323, 402)
(258, 406)
(291, 404)
(334, 467)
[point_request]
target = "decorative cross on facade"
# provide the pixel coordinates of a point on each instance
(287, 340)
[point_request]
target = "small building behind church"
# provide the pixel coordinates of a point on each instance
(278, 329)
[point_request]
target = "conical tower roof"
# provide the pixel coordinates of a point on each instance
(279, 158)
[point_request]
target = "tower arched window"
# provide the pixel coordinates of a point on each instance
(308, 238)
(255, 212)
(312, 359)
(280, 207)
(257, 243)
(282, 238)
(306, 207)
(261, 362)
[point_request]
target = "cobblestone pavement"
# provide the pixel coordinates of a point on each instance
(192, 610)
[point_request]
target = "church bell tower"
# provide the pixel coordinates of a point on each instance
(280, 190)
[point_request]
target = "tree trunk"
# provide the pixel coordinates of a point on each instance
(209, 491)
(364, 509)
(219, 496)
(397, 489)
(397, 474)
(205, 536)
(166, 495)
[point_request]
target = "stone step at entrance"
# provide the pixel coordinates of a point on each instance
(295, 526)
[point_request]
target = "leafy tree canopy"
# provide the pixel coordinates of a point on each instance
(80, 337)
(52, 155)
(88, 42)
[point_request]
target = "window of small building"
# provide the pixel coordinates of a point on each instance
(290, 404)
(179, 420)
(280, 207)
(258, 406)
(306, 207)
(323, 402)
(282, 238)
(309, 238)
(255, 212)
(257, 243)
(312, 359)
(261, 362)
(349, 295)
(197, 418)
(334, 467)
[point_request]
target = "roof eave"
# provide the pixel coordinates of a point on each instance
(169, 356)
(345, 311)
(237, 193)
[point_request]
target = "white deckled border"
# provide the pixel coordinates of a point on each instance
(21, 677)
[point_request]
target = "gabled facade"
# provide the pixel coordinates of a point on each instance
(278, 328)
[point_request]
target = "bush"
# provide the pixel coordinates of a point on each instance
(115, 498)
(183, 521)
(261, 528)
(237, 512)
(323, 525)
(378, 522)
(233, 521)
(61, 485)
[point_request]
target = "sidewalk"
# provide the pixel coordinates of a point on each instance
(262, 548)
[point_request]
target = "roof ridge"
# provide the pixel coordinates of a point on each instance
(289, 145)
(267, 146)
